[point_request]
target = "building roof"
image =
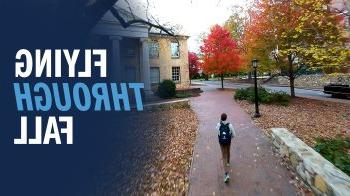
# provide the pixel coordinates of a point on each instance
(158, 32)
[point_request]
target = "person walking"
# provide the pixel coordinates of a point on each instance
(225, 134)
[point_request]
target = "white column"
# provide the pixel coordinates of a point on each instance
(117, 68)
(145, 67)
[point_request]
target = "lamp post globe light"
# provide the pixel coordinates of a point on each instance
(255, 63)
(255, 66)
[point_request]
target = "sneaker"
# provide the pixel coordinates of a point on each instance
(226, 178)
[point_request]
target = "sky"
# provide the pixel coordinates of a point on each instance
(195, 16)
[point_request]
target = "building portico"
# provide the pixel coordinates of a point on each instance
(128, 56)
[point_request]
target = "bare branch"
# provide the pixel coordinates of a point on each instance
(147, 9)
(127, 24)
(129, 7)
(342, 11)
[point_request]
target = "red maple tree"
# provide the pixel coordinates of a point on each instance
(193, 62)
(220, 53)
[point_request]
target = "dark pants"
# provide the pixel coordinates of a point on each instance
(225, 151)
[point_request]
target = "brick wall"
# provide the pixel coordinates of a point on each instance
(165, 62)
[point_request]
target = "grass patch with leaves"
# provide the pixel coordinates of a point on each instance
(335, 151)
(183, 95)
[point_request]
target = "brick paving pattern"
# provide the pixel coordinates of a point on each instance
(254, 168)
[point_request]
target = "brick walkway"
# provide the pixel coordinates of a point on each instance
(255, 170)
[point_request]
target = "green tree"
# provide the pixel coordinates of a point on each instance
(235, 24)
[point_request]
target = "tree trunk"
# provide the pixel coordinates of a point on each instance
(292, 90)
(206, 77)
(249, 76)
(222, 81)
(291, 77)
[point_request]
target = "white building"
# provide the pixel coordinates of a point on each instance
(132, 63)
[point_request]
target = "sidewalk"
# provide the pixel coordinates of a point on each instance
(255, 170)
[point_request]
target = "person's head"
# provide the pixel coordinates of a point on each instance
(223, 116)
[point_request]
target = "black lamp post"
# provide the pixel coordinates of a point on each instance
(255, 65)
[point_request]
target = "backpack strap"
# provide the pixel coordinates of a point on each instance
(223, 123)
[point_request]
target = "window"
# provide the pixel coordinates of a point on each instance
(175, 74)
(155, 76)
(153, 47)
(175, 50)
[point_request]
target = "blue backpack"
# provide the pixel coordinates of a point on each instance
(225, 134)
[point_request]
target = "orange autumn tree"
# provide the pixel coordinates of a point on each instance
(220, 54)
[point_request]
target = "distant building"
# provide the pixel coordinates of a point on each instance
(169, 59)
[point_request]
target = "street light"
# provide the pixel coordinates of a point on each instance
(255, 65)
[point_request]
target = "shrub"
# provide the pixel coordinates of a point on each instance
(167, 89)
(248, 94)
(335, 151)
(264, 95)
(281, 98)
(242, 94)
